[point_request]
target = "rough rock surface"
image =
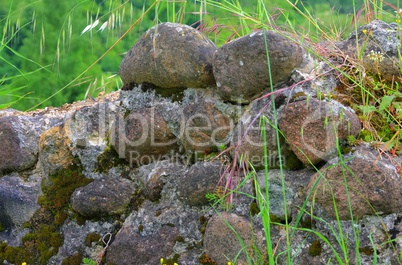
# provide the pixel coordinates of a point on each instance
(221, 243)
(143, 136)
(149, 250)
(240, 66)
(54, 150)
(248, 141)
(312, 127)
(379, 46)
(103, 197)
(205, 128)
(170, 55)
(373, 184)
(200, 179)
(18, 199)
(19, 137)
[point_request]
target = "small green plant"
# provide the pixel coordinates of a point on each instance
(87, 261)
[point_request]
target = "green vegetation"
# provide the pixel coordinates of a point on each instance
(45, 239)
(376, 101)
(53, 53)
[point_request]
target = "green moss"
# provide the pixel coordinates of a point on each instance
(275, 219)
(172, 261)
(369, 251)
(108, 159)
(254, 209)
(57, 194)
(292, 162)
(91, 237)
(179, 239)
(315, 248)
(1, 228)
(73, 260)
(204, 223)
(45, 239)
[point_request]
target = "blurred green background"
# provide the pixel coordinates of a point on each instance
(47, 47)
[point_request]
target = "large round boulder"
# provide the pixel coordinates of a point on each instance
(169, 56)
(240, 66)
(313, 127)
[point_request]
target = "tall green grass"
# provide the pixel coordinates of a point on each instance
(317, 31)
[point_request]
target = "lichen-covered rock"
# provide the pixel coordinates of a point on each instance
(77, 239)
(278, 213)
(313, 126)
(54, 150)
(19, 137)
(89, 125)
(169, 56)
(373, 185)
(247, 138)
(18, 200)
(378, 44)
(204, 127)
(143, 136)
(165, 230)
(87, 130)
(103, 197)
(221, 243)
(240, 66)
(129, 247)
(200, 179)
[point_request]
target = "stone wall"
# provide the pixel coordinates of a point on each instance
(130, 177)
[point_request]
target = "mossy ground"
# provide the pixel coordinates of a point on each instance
(44, 240)
(108, 159)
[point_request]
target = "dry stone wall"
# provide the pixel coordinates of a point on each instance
(130, 177)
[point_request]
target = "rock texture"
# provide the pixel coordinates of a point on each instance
(241, 70)
(19, 137)
(143, 136)
(103, 197)
(366, 180)
(313, 128)
(138, 176)
(248, 138)
(206, 127)
(219, 235)
(379, 47)
(154, 58)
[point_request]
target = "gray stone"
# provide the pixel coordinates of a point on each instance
(19, 137)
(130, 247)
(276, 203)
(373, 185)
(240, 66)
(247, 140)
(221, 239)
(312, 127)
(143, 136)
(103, 197)
(169, 56)
(204, 127)
(75, 236)
(18, 200)
(87, 130)
(159, 231)
(379, 47)
(200, 179)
